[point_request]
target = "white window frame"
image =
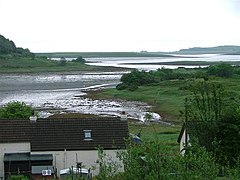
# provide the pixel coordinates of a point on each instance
(87, 135)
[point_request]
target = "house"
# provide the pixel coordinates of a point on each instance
(196, 131)
(55, 144)
(183, 139)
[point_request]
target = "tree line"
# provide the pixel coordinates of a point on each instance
(8, 47)
(136, 78)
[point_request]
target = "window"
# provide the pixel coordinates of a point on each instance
(87, 135)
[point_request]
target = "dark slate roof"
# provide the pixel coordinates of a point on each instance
(60, 134)
(181, 133)
(14, 131)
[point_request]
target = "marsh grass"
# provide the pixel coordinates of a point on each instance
(167, 97)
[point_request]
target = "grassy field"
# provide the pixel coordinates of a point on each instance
(11, 64)
(165, 135)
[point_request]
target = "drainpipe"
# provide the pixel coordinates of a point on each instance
(65, 159)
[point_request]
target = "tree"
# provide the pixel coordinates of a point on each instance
(206, 102)
(62, 61)
(8, 47)
(16, 110)
(213, 121)
(228, 137)
(79, 60)
(222, 70)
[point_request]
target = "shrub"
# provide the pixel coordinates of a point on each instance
(16, 110)
(133, 87)
(222, 70)
(18, 177)
(79, 60)
(62, 63)
(121, 86)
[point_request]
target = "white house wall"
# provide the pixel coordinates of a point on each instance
(11, 148)
(67, 159)
(183, 142)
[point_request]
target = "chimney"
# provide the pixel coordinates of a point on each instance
(123, 116)
(33, 118)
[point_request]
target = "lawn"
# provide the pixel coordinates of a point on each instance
(165, 135)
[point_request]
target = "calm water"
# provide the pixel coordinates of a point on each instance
(127, 62)
(38, 90)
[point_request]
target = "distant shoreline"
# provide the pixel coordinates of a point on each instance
(103, 54)
(189, 63)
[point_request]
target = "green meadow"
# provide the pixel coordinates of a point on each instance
(17, 64)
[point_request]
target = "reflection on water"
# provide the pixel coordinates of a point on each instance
(128, 62)
(36, 89)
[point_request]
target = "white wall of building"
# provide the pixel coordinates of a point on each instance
(183, 142)
(61, 159)
(67, 159)
(11, 148)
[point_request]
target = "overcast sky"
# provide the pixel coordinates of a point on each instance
(119, 25)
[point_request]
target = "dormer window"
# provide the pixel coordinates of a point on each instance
(87, 135)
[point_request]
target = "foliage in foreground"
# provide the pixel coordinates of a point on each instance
(18, 177)
(213, 121)
(151, 160)
(214, 118)
(15, 110)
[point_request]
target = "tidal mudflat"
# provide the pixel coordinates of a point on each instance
(61, 93)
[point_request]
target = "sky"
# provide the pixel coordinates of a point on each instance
(119, 25)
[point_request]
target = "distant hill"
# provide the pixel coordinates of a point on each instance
(211, 50)
(8, 47)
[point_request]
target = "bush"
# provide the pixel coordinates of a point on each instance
(79, 60)
(121, 86)
(133, 87)
(62, 63)
(222, 70)
(16, 110)
(152, 160)
(18, 177)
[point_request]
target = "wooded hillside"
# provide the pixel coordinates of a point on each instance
(8, 47)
